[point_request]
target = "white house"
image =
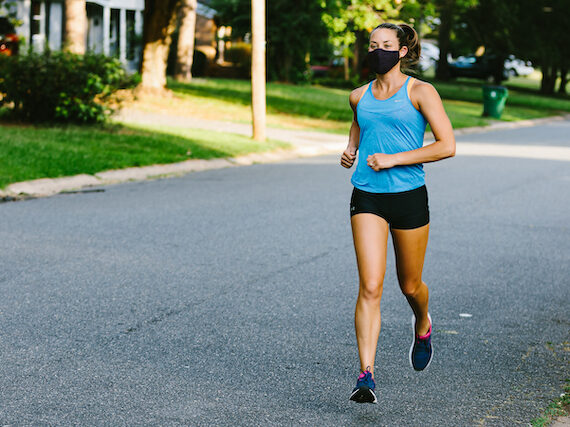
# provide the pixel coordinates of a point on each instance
(113, 26)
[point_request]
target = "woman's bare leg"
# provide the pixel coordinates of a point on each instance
(410, 248)
(370, 233)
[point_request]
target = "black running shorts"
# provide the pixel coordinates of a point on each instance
(405, 210)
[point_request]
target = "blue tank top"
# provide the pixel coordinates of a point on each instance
(388, 126)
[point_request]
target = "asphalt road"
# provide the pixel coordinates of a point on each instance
(227, 297)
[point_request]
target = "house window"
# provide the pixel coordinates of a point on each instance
(36, 18)
(131, 34)
(114, 32)
(94, 28)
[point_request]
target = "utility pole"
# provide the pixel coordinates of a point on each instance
(258, 102)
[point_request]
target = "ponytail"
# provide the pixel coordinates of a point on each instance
(414, 48)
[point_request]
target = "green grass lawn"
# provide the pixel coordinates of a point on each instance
(322, 108)
(518, 96)
(30, 152)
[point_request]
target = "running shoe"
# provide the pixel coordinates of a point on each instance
(421, 351)
(364, 390)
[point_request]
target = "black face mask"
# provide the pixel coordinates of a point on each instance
(381, 61)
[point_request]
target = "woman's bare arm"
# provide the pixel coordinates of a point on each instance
(349, 155)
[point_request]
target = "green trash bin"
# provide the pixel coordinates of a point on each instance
(494, 98)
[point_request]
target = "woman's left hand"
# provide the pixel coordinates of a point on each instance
(381, 161)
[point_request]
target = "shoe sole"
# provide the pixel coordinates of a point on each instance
(414, 341)
(364, 395)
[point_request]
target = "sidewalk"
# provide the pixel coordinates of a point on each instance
(304, 143)
(561, 422)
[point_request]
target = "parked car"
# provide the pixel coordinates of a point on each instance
(335, 66)
(479, 67)
(517, 67)
(487, 66)
(9, 41)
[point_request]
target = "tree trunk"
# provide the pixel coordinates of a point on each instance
(446, 16)
(357, 58)
(185, 48)
(75, 26)
(346, 67)
(287, 64)
(159, 24)
(499, 66)
(258, 77)
(549, 74)
(545, 69)
(563, 81)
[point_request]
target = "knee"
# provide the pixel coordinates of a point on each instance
(410, 288)
(371, 289)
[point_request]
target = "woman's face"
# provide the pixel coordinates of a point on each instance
(385, 38)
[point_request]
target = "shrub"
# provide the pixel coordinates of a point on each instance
(199, 64)
(60, 86)
(338, 83)
(239, 54)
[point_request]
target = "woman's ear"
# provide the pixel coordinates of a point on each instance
(403, 51)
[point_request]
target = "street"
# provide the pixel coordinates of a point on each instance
(226, 297)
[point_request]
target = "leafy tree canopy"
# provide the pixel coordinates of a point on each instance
(292, 32)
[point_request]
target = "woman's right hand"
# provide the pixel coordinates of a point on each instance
(348, 157)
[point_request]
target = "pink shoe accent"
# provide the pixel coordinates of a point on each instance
(423, 337)
(362, 375)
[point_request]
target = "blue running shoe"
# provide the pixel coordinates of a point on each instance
(421, 351)
(364, 390)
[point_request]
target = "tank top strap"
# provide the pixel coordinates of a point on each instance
(406, 84)
(368, 89)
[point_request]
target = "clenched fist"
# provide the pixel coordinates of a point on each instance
(348, 157)
(381, 161)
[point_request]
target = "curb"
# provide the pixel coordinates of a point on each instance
(46, 187)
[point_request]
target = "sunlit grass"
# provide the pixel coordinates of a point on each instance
(326, 109)
(30, 152)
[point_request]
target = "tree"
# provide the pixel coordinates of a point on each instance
(548, 23)
(532, 30)
(291, 32)
(258, 105)
(449, 12)
(10, 9)
(186, 36)
(75, 26)
(563, 81)
(350, 21)
(159, 24)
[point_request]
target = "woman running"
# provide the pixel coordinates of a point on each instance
(390, 117)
